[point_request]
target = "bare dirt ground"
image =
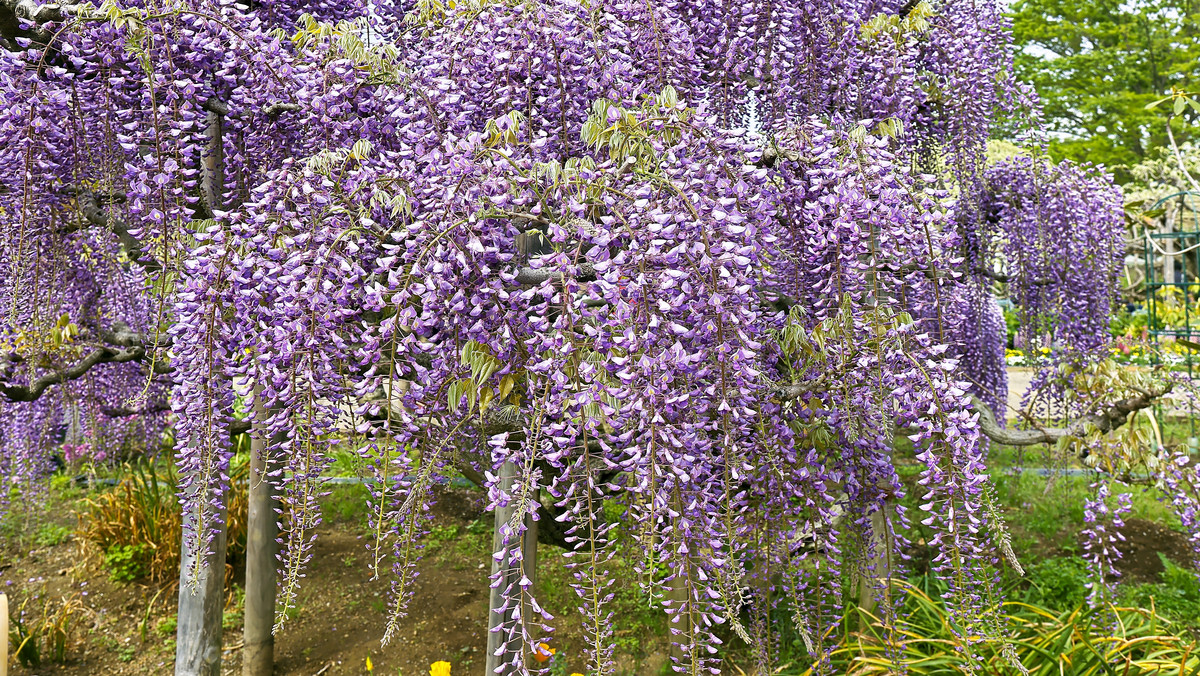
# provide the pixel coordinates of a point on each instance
(1144, 540)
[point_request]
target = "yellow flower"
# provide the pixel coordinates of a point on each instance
(543, 652)
(439, 669)
(370, 668)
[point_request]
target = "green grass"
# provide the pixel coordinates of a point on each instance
(347, 504)
(1057, 583)
(345, 463)
(471, 545)
(167, 626)
(231, 618)
(639, 623)
(1052, 507)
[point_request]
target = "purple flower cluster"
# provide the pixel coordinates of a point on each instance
(1181, 481)
(1101, 535)
(1062, 234)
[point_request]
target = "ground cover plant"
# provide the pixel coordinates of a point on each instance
(667, 275)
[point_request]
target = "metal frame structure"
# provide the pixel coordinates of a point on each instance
(1177, 247)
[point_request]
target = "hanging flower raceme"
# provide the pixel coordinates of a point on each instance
(1101, 538)
(1062, 230)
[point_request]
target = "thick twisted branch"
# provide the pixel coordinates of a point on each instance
(39, 14)
(101, 355)
(1110, 418)
(535, 276)
(123, 346)
(1005, 279)
(15, 13)
(89, 207)
(215, 105)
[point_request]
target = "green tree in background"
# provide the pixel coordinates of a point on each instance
(1096, 65)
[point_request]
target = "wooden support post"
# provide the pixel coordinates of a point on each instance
(877, 559)
(510, 573)
(202, 601)
(212, 183)
(677, 594)
(262, 532)
(198, 628)
(529, 556)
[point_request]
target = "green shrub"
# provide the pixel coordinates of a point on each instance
(1057, 583)
(126, 563)
(1177, 597)
(51, 534)
(139, 521)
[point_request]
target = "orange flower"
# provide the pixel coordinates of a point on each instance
(543, 652)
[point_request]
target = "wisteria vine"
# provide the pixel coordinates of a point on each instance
(697, 260)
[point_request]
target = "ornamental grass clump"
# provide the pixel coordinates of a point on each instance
(136, 527)
(41, 628)
(1081, 641)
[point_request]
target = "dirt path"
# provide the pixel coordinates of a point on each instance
(1018, 383)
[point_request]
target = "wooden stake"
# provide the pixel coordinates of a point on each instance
(3, 635)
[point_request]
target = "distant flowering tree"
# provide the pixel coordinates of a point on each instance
(694, 260)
